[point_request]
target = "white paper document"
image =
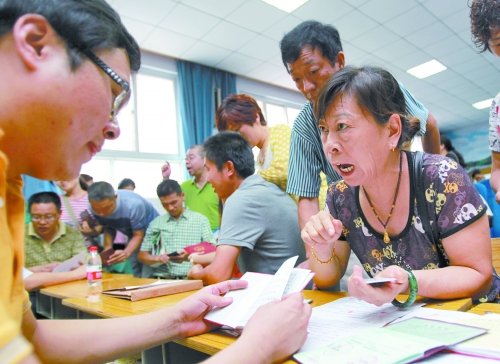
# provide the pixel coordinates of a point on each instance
(71, 263)
(261, 289)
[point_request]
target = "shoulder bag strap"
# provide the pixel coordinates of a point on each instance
(418, 183)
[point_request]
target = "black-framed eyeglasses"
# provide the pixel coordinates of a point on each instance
(123, 97)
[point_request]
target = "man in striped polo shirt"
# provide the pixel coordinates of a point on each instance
(312, 53)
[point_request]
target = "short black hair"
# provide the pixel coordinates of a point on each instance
(450, 148)
(324, 37)
(484, 15)
(375, 90)
(230, 146)
(45, 197)
(126, 182)
(475, 172)
(99, 191)
(84, 25)
(167, 187)
(85, 180)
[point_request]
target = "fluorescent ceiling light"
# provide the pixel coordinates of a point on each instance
(286, 5)
(482, 104)
(427, 69)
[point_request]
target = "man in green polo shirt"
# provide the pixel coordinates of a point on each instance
(48, 241)
(198, 192)
(166, 237)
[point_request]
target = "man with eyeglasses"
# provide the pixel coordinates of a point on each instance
(47, 240)
(65, 68)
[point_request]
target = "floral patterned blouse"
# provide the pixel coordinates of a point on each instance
(452, 203)
(494, 125)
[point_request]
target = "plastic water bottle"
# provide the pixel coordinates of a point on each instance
(94, 275)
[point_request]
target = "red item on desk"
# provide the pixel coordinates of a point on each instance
(202, 248)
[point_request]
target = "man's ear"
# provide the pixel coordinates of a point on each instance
(33, 35)
(229, 168)
(340, 60)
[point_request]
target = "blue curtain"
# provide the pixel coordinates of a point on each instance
(197, 85)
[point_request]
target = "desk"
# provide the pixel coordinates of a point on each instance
(483, 308)
(209, 343)
(68, 301)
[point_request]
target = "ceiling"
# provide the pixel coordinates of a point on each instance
(242, 36)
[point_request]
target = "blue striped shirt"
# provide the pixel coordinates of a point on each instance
(307, 158)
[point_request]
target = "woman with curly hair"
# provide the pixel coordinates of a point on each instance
(485, 28)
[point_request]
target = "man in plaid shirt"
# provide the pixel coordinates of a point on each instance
(167, 235)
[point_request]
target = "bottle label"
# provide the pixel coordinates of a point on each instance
(94, 272)
(93, 276)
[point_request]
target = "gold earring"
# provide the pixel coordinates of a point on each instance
(393, 148)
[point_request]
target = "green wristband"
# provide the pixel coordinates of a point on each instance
(412, 296)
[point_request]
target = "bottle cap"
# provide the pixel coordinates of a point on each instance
(92, 248)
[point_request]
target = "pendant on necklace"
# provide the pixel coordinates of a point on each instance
(387, 240)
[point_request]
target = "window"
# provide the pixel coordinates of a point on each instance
(156, 109)
(150, 135)
(278, 113)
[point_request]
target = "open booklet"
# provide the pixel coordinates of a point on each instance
(402, 342)
(262, 288)
(486, 346)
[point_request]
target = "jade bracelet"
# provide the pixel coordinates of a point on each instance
(412, 296)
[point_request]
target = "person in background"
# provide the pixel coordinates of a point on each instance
(199, 194)
(48, 241)
(476, 175)
(449, 150)
(123, 211)
(74, 202)
(85, 181)
(167, 235)
(37, 280)
(371, 211)
(75, 211)
(483, 191)
(242, 114)
(312, 53)
(485, 28)
(83, 56)
(126, 184)
(32, 185)
(259, 227)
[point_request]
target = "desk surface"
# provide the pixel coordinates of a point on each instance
(209, 343)
(483, 308)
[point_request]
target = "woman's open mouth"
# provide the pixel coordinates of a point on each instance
(345, 169)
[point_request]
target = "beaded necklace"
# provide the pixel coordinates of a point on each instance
(386, 235)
